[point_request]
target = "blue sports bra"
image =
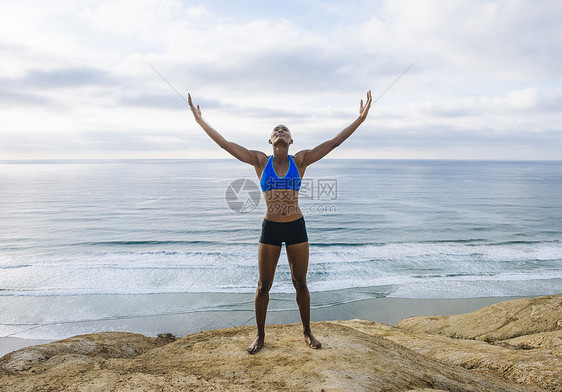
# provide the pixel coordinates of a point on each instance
(270, 180)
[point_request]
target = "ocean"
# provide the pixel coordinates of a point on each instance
(89, 244)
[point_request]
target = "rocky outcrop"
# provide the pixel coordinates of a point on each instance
(85, 348)
(519, 339)
(420, 354)
(502, 321)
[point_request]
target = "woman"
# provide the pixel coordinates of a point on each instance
(283, 221)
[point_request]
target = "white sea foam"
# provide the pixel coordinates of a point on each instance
(406, 267)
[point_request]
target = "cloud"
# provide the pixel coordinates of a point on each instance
(486, 73)
(533, 100)
(66, 78)
(161, 101)
(15, 98)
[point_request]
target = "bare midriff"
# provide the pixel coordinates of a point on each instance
(282, 205)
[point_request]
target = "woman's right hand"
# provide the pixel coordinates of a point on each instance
(364, 109)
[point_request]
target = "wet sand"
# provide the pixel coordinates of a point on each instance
(326, 306)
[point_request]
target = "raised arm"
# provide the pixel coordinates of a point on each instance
(308, 157)
(251, 157)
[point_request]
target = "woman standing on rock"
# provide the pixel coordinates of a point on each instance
(283, 221)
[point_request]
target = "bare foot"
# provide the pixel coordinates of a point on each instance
(311, 341)
(256, 346)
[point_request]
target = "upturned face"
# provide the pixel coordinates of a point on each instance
(280, 134)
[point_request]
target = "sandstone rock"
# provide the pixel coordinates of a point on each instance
(101, 345)
(526, 337)
(547, 341)
(505, 320)
(512, 346)
(531, 366)
(350, 360)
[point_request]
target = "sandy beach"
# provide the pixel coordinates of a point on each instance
(326, 306)
(508, 346)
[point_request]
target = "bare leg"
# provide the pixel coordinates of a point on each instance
(298, 261)
(268, 255)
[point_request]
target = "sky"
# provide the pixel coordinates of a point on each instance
(80, 79)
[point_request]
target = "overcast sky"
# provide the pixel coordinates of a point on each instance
(76, 81)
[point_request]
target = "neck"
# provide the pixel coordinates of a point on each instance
(280, 153)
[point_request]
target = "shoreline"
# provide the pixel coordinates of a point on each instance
(384, 310)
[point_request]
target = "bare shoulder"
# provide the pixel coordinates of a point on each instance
(300, 158)
(260, 158)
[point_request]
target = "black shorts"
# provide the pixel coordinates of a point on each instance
(275, 233)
